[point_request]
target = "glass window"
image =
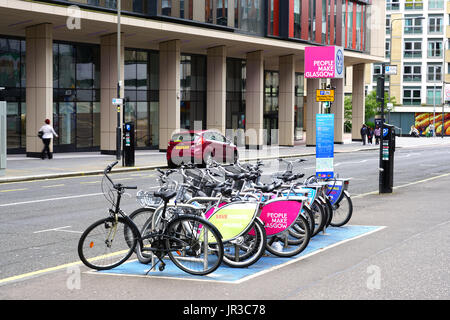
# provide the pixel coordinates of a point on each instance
(435, 4)
(235, 93)
(412, 72)
(434, 72)
(76, 82)
(222, 12)
(193, 91)
(299, 106)
(350, 26)
(66, 66)
(413, 49)
(142, 95)
(413, 25)
(413, 4)
(392, 4)
(297, 18)
(411, 96)
(434, 95)
(435, 24)
(434, 48)
(249, 16)
(12, 78)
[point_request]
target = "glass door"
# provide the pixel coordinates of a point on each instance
(66, 121)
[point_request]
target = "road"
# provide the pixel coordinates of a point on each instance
(41, 221)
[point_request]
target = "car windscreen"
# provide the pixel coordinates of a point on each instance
(184, 137)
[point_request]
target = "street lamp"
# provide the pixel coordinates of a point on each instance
(390, 46)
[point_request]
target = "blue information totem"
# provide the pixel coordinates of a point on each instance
(324, 146)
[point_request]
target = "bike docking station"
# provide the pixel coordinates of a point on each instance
(273, 209)
(335, 236)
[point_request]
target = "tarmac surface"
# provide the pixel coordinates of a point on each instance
(21, 168)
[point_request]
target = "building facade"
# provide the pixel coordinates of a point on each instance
(417, 41)
(222, 64)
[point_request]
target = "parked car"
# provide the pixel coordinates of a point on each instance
(198, 147)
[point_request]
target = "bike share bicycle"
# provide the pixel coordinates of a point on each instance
(193, 244)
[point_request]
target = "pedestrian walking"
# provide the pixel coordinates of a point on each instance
(369, 135)
(363, 133)
(377, 133)
(47, 132)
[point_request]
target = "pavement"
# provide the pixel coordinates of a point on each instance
(21, 168)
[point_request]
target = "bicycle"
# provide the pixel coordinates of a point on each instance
(192, 243)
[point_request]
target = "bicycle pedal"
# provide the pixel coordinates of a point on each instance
(162, 266)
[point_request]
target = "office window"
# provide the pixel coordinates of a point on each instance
(411, 96)
(412, 73)
(434, 95)
(413, 49)
(435, 24)
(392, 4)
(193, 91)
(413, 26)
(388, 49)
(435, 4)
(434, 48)
(297, 18)
(388, 24)
(434, 72)
(377, 71)
(413, 4)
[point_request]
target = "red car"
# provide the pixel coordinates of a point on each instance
(198, 147)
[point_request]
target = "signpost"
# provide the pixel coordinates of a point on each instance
(324, 146)
(324, 95)
(324, 62)
(390, 70)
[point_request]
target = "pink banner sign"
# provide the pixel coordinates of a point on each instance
(324, 62)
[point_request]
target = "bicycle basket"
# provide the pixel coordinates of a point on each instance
(147, 199)
(108, 191)
(196, 175)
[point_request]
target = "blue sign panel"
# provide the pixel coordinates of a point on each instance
(324, 145)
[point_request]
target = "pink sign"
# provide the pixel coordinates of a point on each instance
(279, 215)
(324, 62)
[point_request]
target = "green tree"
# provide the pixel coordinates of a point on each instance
(372, 108)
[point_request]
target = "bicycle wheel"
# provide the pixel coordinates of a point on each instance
(343, 211)
(194, 245)
(287, 245)
(139, 218)
(247, 249)
(329, 209)
(104, 245)
(320, 216)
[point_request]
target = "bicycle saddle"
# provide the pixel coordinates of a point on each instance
(289, 176)
(267, 188)
(165, 195)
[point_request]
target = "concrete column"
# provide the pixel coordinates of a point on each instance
(312, 108)
(108, 91)
(286, 101)
(337, 107)
(216, 88)
(254, 100)
(358, 101)
(39, 91)
(169, 91)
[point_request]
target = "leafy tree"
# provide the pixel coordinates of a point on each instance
(372, 108)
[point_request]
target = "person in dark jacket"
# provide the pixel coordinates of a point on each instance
(364, 133)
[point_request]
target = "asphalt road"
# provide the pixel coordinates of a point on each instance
(41, 221)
